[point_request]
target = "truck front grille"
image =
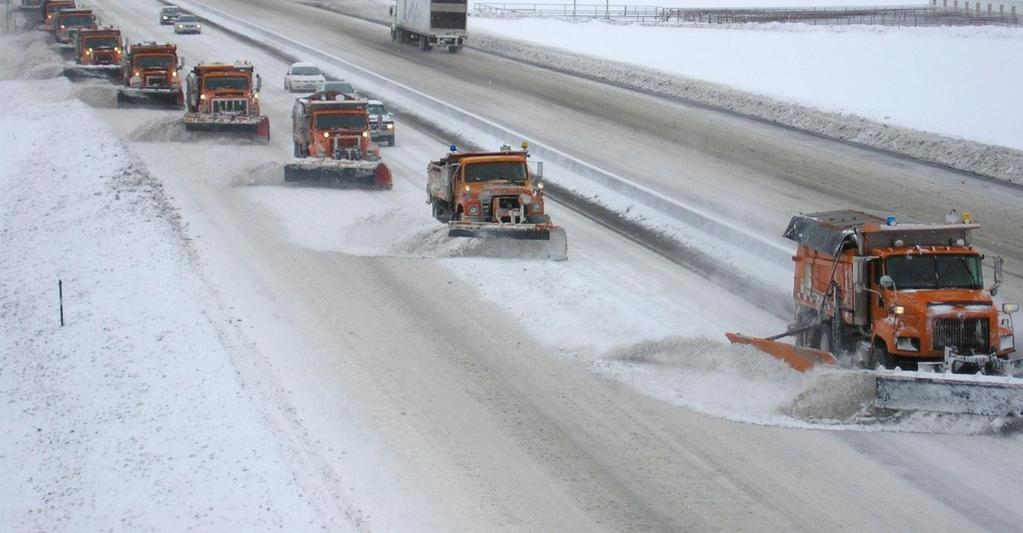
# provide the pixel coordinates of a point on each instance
(966, 334)
(157, 81)
(230, 106)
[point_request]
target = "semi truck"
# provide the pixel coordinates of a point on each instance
(429, 23)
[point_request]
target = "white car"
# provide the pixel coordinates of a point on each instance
(304, 77)
(187, 24)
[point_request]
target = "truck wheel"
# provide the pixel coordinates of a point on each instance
(441, 212)
(881, 357)
(390, 142)
(827, 343)
(424, 44)
(394, 35)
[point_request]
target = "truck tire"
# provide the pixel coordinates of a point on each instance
(394, 35)
(424, 43)
(880, 357)
(826, 343)
(441, 211)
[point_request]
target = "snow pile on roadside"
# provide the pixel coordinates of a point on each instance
(132, 416)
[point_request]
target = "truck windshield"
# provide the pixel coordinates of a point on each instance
(239, 83)
(936, 272)
(340, 122)
(102, 42)
(154, 62)
(505, 170)
(76, 21)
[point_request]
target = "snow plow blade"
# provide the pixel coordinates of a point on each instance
(949, 393)
(258, 127)
(799, 358)
(339, 172)
(75, 71)
(161, 98)
(554, 239)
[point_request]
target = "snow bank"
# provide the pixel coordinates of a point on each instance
(916, 92)
(132, 416)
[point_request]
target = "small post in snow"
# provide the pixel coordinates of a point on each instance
(60, 298)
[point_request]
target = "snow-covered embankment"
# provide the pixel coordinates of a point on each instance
(131, 416)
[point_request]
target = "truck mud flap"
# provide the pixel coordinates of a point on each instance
(943, 393)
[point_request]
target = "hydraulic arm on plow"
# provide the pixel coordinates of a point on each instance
(881, 294)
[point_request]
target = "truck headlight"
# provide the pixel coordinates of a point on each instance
(1006, 343)
(365, 134)
(202, 96)
(898, 310)
(390, 126)
(907, 344)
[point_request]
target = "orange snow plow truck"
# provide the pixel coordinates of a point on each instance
(99, 53)
(884, 294)
(224, 97)
(333, 143)
(48, 12)
(150, 76)
(493, 195)
(71, 21)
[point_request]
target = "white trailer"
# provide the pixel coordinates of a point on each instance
(430, 23)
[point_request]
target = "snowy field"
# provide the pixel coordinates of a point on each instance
(951, 81)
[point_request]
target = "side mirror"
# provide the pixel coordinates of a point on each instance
(539, 170)
(259, 83)
(1010, 308)
(999, 275)
(181, 62)
(390, 11)
(887, 282)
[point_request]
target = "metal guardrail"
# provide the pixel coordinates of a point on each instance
(919, 15)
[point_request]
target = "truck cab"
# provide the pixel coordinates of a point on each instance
(151, 65)
(220, 88)
(911, 294)
(330, 125)
(99, 46)
(69, 21)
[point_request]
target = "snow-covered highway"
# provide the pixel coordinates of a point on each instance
(403, 389)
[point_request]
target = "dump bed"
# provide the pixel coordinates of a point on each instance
(827, 232)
